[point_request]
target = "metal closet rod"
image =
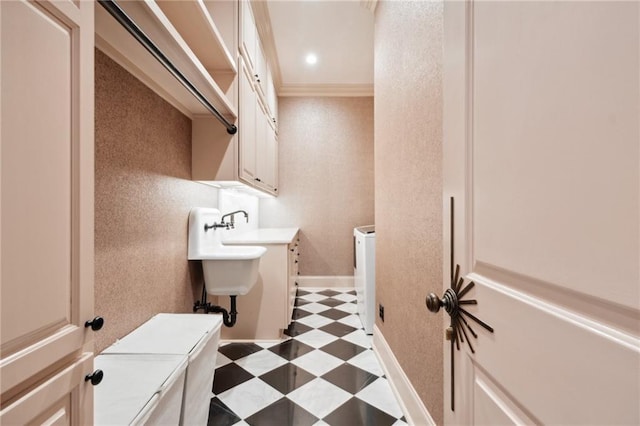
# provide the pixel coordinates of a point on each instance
(124, 20)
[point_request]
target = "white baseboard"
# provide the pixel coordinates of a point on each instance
(325, 281)
(411, 404)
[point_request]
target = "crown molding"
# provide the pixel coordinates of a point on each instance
(369, 5)
(326, 90)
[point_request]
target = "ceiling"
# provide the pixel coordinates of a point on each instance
(338, 32)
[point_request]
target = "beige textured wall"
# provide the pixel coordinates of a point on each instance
(326, 178)
(143, 195)
(408, 188)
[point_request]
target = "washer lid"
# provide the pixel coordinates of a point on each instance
(178, 334)
(369, 229)
(130, 383)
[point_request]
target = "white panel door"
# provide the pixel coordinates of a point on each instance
(542, 157)
(46, 203)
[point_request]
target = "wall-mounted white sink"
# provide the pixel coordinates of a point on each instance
(231, 270)
(228, 270)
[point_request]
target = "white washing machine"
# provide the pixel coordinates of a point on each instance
(364, 274)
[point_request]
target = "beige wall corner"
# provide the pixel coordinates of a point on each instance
(326, 178)
(411, 404)
(408, 188)
(143, 195)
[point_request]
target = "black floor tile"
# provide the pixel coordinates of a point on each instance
(296, 329)
(300, 302)
(235, 351)
(329, 292)
(334, 314)
(342, 349)
(352, 292)
(220, 414)
(282, 412)
(299, 313)
(291, 349)
(357, 412)
(331, 302)
(228, 376)
(287, 378)
(350, 378)
(302, 293)
(337, 329)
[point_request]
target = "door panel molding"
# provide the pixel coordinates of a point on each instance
(490, 396)
(574, 354)
(567, 300)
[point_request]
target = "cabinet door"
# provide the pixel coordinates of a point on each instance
(47, 189)
(248, 34)
(63, 399)
(247, 126)
(271, 157)
(264, 139)
(260, 70)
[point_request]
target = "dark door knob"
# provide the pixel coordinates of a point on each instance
(95, 324)
(449, 301)
(433, 302)
(95, 377)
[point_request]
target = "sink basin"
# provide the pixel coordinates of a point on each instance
(231, 270)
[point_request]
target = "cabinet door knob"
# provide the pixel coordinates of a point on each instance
(257, 179)
(95, 377)
(95, 324)
(296, 261)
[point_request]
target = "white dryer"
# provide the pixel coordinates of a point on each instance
(364, 274)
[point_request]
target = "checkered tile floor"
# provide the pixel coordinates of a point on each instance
(325, 374)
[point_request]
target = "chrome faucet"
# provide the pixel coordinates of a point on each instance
(231, 220)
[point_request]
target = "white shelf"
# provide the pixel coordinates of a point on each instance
(117, 43)
(195, 24)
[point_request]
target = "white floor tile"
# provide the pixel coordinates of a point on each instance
(221, 360)
(345, 297)
(317, 362)
(358, 337)
(314, 307)
(367, 361)
(249, 397)
(313, 297)
(351, 320)
(380, 395)
(315, 321)
(319, 397)
(349, 308)
(399, 423)
(261, 362)
(269, 343)
(316, 338)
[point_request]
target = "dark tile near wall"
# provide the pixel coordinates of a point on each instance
(350, 378)
(291, 349)
(343, 349)
(235, 351)
(357, 412)
(220, 414)
(287, 378)
(228, 376)
(281, 413)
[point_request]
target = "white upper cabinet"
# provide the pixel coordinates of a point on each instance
(251, 156)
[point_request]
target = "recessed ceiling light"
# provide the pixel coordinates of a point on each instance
(311, 59)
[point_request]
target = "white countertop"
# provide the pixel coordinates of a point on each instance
(263, 236)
